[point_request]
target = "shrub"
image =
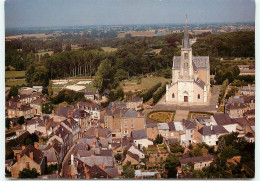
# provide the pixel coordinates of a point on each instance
(222, 91)
(159, 93)
(149, 93)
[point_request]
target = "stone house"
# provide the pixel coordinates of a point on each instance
(17, 109)
(224, 120)
(199, 162)
(30, 157)
(89, 95)
(152, 131)
(250, 113)
(93, 109)
(132, 120)
(73, 126)
(163, 130)
(236, 109)
(131, 157)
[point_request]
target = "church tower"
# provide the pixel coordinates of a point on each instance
(186, 69)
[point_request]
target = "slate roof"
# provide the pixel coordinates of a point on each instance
(200, 83)
(249, 135)
(152, 125)
(112, 172)
(242, 121)
(248, 88)
(163, 126)
(189, 124)
(217, 129)
(102, 132)
(201, 62)
(223, 119)
(104, 143)
(71, 123)
(108, 161)
(236, 100)
(249, 99)
(62, 111)
(89, 93)
(38, 101)
(38, 155)
(139, 134)
(251, 121)
(236, 106)
(61, 132)
(88, 105)
(50, 155)
(197, 159)
(173, 140)
(136, 99)
(80, 114)
(172, 126)
(134, 156)
(131, 113)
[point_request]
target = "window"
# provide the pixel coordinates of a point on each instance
(28, 165)
(132, 126)
(171, 134)
(126, 132)
(186, 56)
(191, 136)
(185, 65)
(198, 96)
(173, 96)
(125, 121)
(191, 131)
(125, 125)
(132, 120)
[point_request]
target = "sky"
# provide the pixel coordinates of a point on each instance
(49, 13)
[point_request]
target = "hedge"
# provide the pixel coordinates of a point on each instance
(147, 95)
(222, 91)
(159, 93)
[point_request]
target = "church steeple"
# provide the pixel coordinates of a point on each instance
(186, 40)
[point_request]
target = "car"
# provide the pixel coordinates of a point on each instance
(152, 104)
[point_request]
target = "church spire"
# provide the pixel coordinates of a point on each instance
(186, 41)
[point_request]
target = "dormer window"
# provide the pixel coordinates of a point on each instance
(173, 96)
(198, 96)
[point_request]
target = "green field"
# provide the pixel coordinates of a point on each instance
(14, 74)
(18, 82)
(146, 83)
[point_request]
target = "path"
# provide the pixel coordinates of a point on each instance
(66, 168)
(180, 115)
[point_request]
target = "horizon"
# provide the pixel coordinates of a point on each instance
(66, 13)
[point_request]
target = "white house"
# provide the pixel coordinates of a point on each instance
(136, 151)
(140, 138)
(210, 134)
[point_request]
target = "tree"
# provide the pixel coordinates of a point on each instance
(128, 171)
(13, 92)
(118, 157)
(37, 75)
(21, 120)
(158, 139)
(30, 139)
(176, 147)
(171, 164)
(27, 173)
(7, 123)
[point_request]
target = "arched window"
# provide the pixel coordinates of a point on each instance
(173, 96)
(185, 65)
(198, 96)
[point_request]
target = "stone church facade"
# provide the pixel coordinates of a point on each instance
(190, 76)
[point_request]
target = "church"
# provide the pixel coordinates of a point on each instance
(190, 76)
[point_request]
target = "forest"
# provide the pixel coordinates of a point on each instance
(134, 56)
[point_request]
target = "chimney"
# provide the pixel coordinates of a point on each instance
(18, 156)
(23, 147)
(92, 153)
(87, 146)
(121, 112)
(138, 114)
(106, 109)
(58, 123)
(31, 155)
(36, 145)
(69, 120)
(94, 144)
(71, 114)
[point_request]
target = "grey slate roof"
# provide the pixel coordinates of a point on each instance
(113, 172)
(50, 155)
(189, 124)
(151, 125)
(236, 106)
(163, 126)
(98, 160)
(131, 113)
(38, 155)
(201, 62)
(173, 140)
(223, 119)
(241, 121)
(200, 83)
(250, 112)
(216, 129)
(172, 126)
(139, 134)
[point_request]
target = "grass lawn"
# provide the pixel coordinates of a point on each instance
(146, 83)
(162, 116)
(109, 49)
(194, 114)
(10, 83)
(14, 74)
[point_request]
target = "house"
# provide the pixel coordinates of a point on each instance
(36, 106)
(199, 162)
(210, 134)
(173, 133)
(134, 150)
(248, 90)
(73, 127)
(83, 118)
(135, 103)
(89, 95)
(51, 157)
(243, 125)
(152, 131)
(112, 118)
(30, 157)
(41, 124)
(98, 133)
(250, 137)
(250, 113)
(236, 109)
(140, 138)
(163, 130)
(224, 120)
(17, 109)
(144, 175)
(93, 109)
(190, 132)
(131, 157)
(132, 120)
(57, 147)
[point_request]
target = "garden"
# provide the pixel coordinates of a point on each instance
(162, 116)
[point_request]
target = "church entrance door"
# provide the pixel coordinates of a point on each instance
(185, 98)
